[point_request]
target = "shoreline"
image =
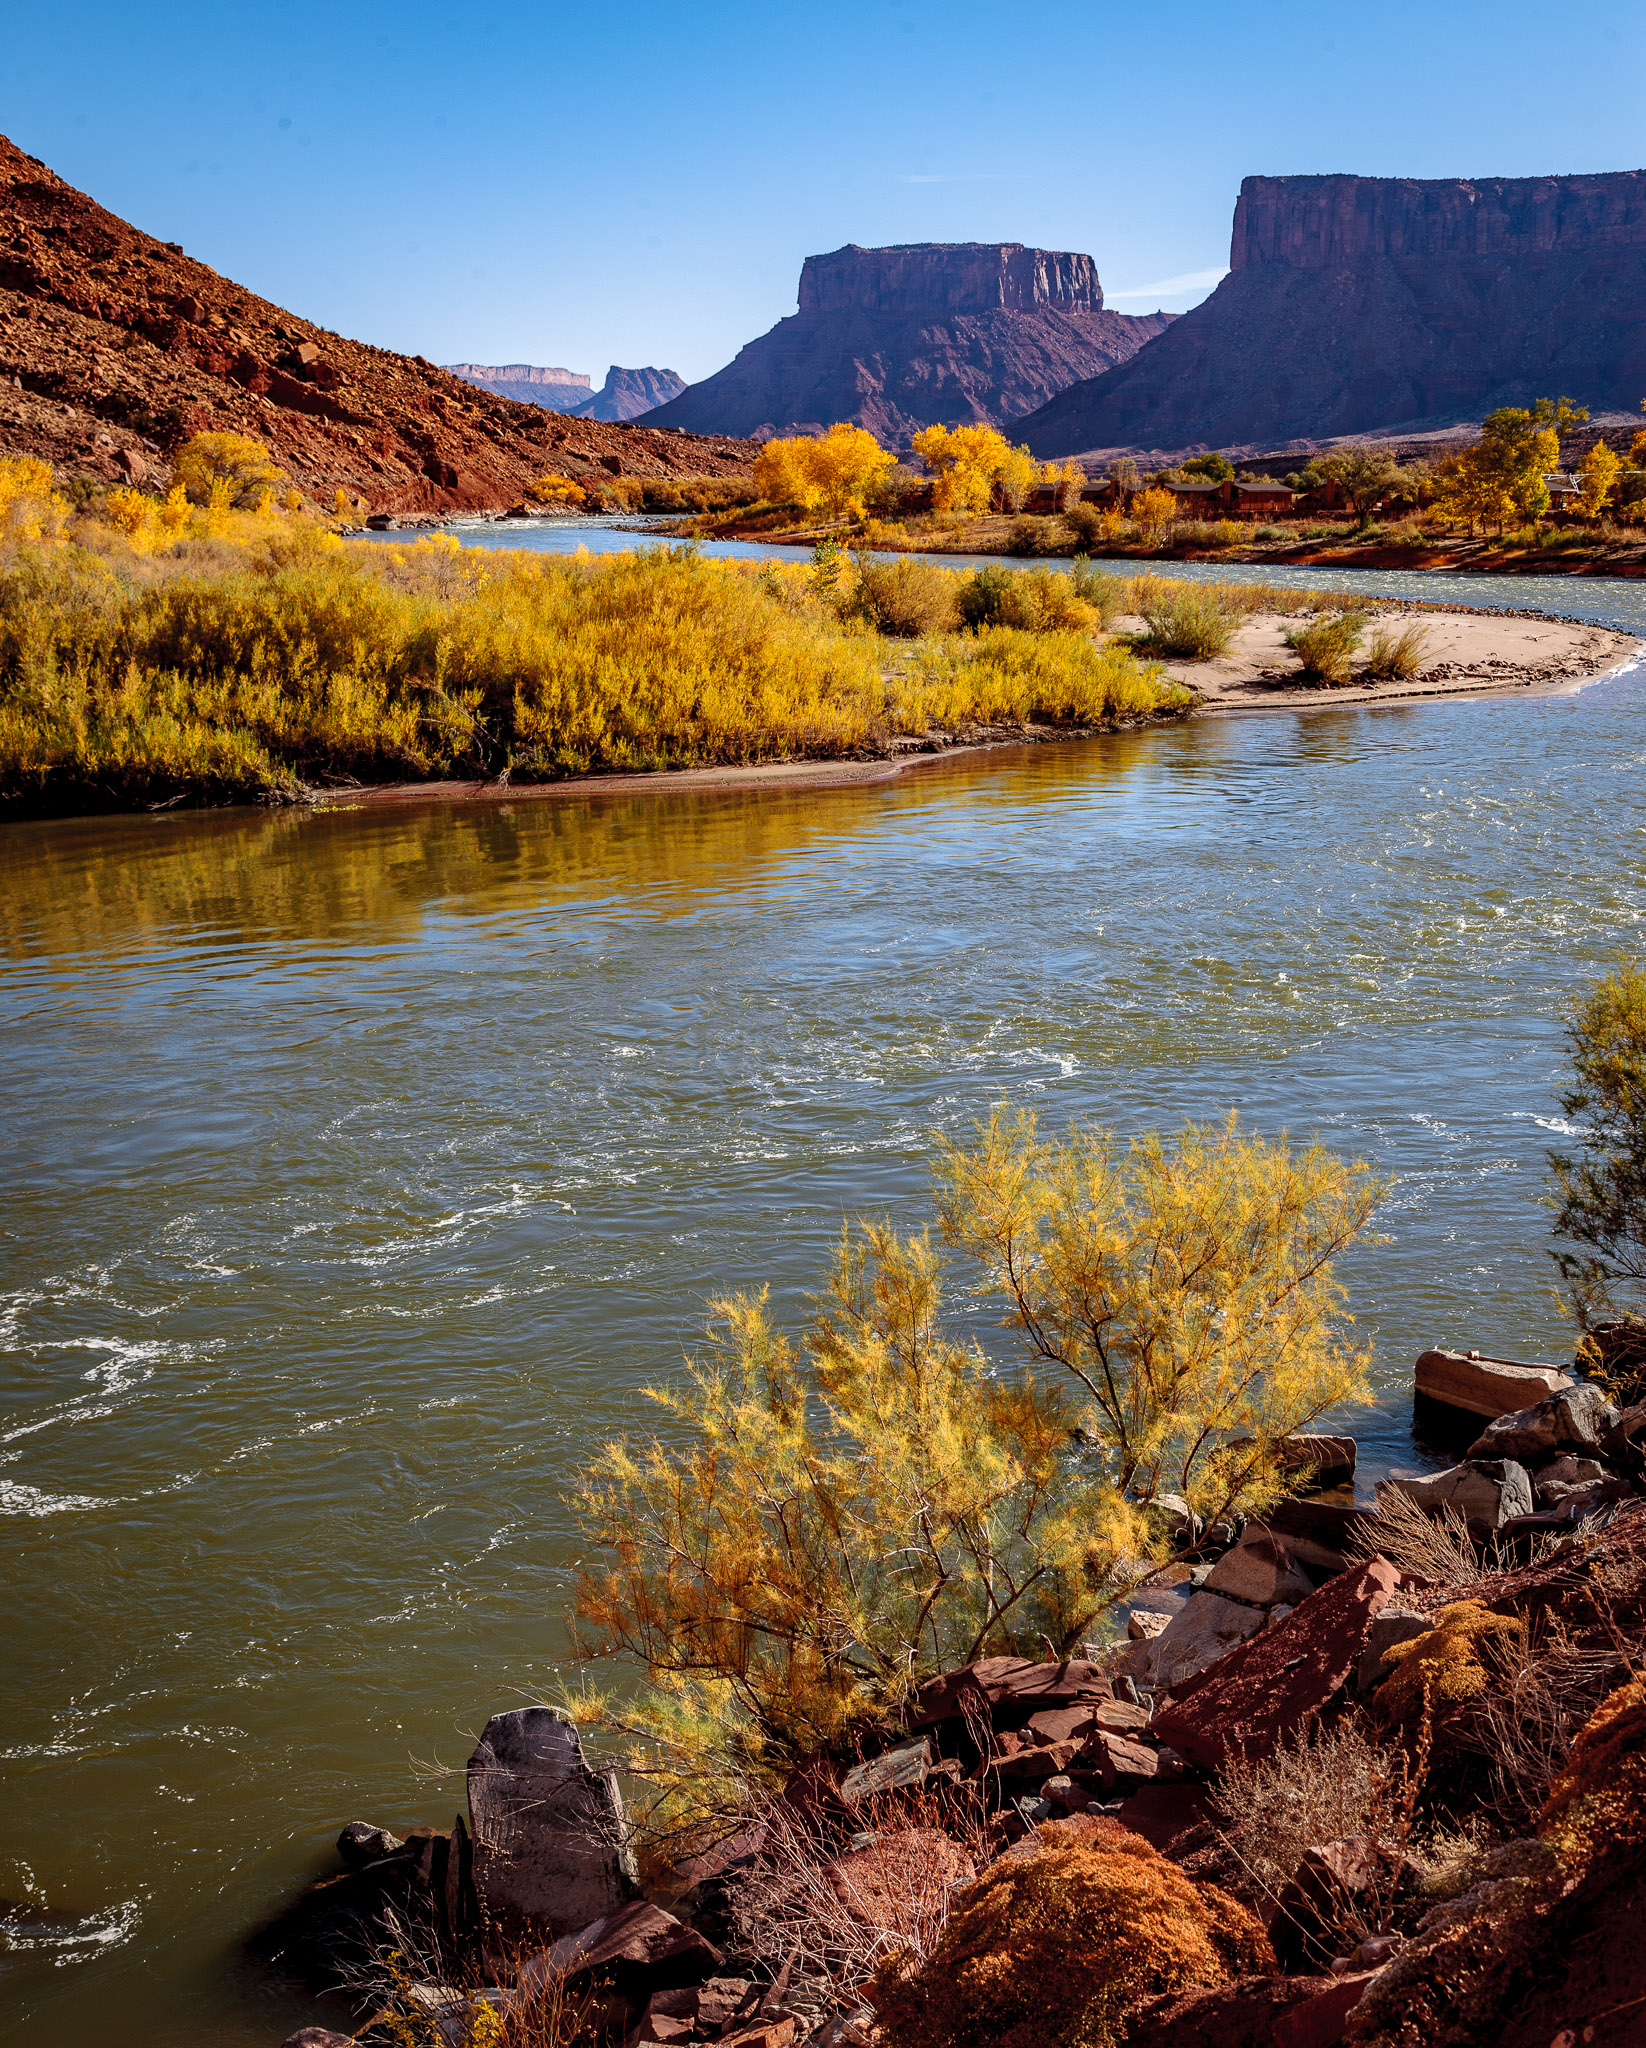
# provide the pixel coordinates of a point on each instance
(1236, 686)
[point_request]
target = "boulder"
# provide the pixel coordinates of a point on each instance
(996, 1684)
(1144, 1624)
(549, 1842)
(1575, 1419)
(1203, 1632)
(1552, 1481)
(1331, 1459)
(632, 1953)
(894, 1770)
(317, 2037)
(1488, 1490)
(360, 1843)
(1393, 1625)
(1263, 1690)
(1113, 1757)
(1259, 1569)
(1324, 1891)
(1485, 1386)
(690, 2012)
(1253, 2012)
(1316, 1532)
(1161, 1812)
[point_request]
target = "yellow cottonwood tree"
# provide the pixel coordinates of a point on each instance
(1597, 475)
(1154, 510)
(835, 471)
(965, 461)
(243, 467)
(824, 1523)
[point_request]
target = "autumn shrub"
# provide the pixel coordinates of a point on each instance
(1395, 657)
(1031, 600)
(1327, 649)
(240, 469)
(1085, 527)
(1035, 535)
(1449, 1667)
(821, 1523)
(1600, 1186)
(1188, 620)
(242, 655)
(1052, 1948)
(906, 598)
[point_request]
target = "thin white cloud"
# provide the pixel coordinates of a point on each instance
(1170, 287)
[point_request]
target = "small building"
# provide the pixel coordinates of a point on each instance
(1564, 490)
(1197, 500)
(1262, 499)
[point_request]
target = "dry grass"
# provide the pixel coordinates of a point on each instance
(258, 654)
(1324, 1784)
(830, 1909)
(1395, 657)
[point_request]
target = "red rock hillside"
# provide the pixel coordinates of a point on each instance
(115, 348)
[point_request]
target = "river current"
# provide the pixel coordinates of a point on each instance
(362, 1166)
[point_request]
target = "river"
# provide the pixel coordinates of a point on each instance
(363, 1165)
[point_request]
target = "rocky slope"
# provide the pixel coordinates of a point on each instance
(1354, 304)
(625, 395)
(115, 347)
(899, 339)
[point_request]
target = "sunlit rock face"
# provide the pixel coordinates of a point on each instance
(898, 339)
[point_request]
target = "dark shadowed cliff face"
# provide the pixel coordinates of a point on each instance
(1358, 303)
(899, 339)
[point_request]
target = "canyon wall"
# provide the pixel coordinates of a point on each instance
(1359, 304)
(902, 338)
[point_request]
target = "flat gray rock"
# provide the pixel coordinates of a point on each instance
(1489, 1490)
(1574, 1419)
(550, 1846)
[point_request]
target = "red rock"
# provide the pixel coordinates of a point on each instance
(636, 1951)
(1045, 1761)
(765, 2034)
(1330, 1878)
(996, 1682)
(1255, 2012)
(1261, 1690)
(876, 1884)
(1162, 1812)
(1059, 1724)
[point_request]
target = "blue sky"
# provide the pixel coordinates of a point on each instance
(639, 183)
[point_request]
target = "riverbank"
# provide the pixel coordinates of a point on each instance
(1467, 654)
(1568, 551)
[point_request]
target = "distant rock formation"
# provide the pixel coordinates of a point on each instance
(116, 347)
(1354, 304)
(559, 390)
(625, 395)
(903, 338)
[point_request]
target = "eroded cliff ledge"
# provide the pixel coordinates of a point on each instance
(899, 339)
(1354, 304)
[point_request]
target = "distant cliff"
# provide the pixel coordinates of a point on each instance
(528, 383)
(625, 395)
(1354, 304)
(902, 338)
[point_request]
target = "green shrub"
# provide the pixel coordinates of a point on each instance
(1032, 535)
(1105, 594)
(1192, 621)
(1327, 649)
(1085, 524)
(1395, 657)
